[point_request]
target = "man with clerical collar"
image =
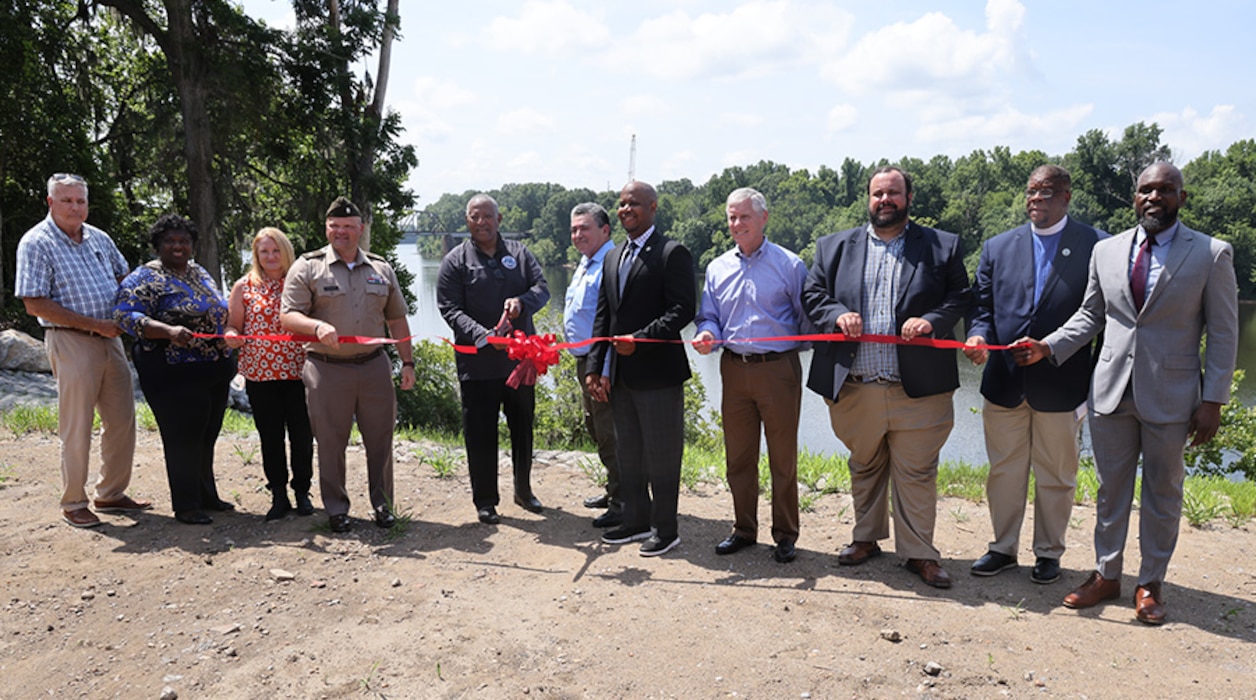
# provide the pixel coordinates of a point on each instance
(1029, 281)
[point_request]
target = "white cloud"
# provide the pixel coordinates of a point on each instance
(1005, 125)
(524, 120)
(548, 28)
(1190, 133)
(934, 56)
(842, 117)
(753, 38)
(440, 94)
(740, 119)
(644, 105)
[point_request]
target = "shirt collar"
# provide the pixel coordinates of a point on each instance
(1050, 230)
(601, 252)
(1163, 238)
(872, 234)
(639, 241)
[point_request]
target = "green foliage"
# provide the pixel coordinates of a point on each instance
(433, 403)
(1233, 450)
(1201, 501)
(30, 419)
(962, 480)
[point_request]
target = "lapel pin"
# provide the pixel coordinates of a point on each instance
(1066, 252)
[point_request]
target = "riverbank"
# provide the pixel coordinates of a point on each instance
(538, 607)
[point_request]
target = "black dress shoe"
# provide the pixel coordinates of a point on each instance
(222, 506)
(529, 503)
(992, 563)
(733, 543)
(785, 552)
(1046, 570)
(488, 516)
(193, 517)
(338, 522)
(384, 517)
(596, 502)
(304, 507)
(279, 508)
(611, 518)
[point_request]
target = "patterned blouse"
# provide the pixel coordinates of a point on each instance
(189, 299)
(267, 360)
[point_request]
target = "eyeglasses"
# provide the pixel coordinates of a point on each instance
(1045, 193)
(494, 266)
(68, 177)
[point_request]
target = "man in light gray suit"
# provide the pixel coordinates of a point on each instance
(1155, 291)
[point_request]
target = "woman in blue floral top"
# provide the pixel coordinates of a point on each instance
(185, 379)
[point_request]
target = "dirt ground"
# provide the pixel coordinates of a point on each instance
(537, 607)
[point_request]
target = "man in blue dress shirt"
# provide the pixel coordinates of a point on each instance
(753, 292)
(591, 235)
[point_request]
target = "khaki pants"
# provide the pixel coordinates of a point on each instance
(1018, 440)
(893, 440)
(762, 396)
(92, 375)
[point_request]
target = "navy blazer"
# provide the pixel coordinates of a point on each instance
(660, 298)
(933, 285)
(1004, 311)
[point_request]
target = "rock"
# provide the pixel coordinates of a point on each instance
(891, 636)
(231, 628)
(281, 575)
(168, 693)
(23, 353)
(933, 668)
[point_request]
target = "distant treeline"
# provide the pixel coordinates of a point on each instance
(976, 196)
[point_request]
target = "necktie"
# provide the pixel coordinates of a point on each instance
(1141, 270)
(625, 264)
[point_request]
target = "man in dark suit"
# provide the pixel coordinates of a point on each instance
(1029, 281)
(648, 292)
(1155, 291)
(889, 404)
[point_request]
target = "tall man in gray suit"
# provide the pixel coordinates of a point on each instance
(1154, 290)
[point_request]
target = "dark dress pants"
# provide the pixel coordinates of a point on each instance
(650, 438)
(279, 408)
(481, 402)
(188, 400)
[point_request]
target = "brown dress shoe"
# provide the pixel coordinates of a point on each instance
(1149, 604)
(930, 572)
(80, 518)
(1095, 590)
(857, 553)
(126, 504)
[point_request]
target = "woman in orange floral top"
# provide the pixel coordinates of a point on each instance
(272, 373)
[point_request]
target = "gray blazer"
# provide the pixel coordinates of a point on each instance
(1158, 348)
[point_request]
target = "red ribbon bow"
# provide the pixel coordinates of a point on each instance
(535, 354)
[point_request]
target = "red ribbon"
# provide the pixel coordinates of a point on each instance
(542, 348)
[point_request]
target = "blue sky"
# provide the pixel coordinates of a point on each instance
(493, 92)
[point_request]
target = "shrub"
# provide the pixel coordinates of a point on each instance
(433, 403)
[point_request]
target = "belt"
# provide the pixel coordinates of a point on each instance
(853, 379)
(353, 360)
(80, 331)
(759, 357)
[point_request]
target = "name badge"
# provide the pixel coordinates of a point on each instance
(331, 288)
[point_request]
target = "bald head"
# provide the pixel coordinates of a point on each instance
(637, 204)
(1158, 196)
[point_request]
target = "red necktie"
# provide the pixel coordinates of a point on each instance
(1141, 271)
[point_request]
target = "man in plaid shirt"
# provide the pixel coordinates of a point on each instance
(67, 276)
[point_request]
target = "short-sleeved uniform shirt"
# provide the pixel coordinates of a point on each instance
(357, 301)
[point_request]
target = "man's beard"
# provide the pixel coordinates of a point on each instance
(1156, 224)
(889, 218)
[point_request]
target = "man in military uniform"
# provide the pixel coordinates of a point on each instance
(336, 291)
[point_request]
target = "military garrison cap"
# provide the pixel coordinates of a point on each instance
(343, 207)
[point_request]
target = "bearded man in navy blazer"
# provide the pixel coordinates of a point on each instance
(1155, 291)
(1029, 282)
(649, 291)
(889, 404)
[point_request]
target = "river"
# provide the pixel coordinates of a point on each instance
(966, 442)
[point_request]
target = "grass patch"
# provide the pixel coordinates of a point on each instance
(30, 419)
(701, 465)
(962, 480)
